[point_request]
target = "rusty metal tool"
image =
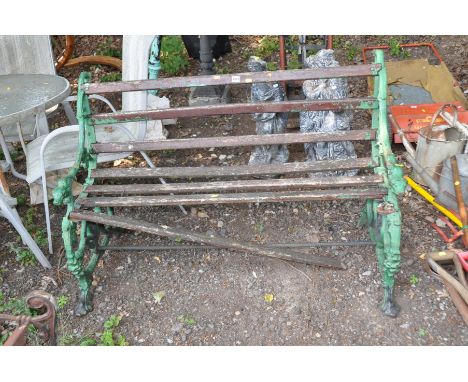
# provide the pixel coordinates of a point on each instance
(457, 301)
(430, 258)
(463, 257)
(39, 300)
(463, 278)
(457, 291)
(455, 233)
(459, 196)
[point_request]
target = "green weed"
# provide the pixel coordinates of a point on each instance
(16, 307)
(107, 338)
(13, 306)
(414, 280)
(111, 77)
(259, 227)
(62, 301)
(351, 51)
(268, 46)
(22, 254)
(21, 200)
(186, 319)
(293, 63)
(396, 50)
(271, 66)
(173, 57)
(106, 49)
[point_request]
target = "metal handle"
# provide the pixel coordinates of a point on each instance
(437, 113)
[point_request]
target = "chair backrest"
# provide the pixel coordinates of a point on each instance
(26, 55)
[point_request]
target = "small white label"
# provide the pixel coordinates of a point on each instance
(235, 79)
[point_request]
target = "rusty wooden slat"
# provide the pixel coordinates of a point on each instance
(236, 78)
(237, 185)
(222, 242)
(242, 140)
(241, 170)
(236, 198)
(234, 108)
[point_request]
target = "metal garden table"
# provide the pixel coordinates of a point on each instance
(23, 95)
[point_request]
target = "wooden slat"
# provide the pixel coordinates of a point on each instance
(236, 78)
(236, 198)
(234, 108)
(235, 141)
(222, 242)
(241, 170)
(237, 185)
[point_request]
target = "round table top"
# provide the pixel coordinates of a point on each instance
(22, 95)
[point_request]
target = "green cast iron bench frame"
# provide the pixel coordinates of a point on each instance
(89, 217)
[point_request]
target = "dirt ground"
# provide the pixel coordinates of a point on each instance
(219, 297)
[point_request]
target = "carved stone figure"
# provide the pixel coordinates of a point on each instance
(267, 123)
(325, 120)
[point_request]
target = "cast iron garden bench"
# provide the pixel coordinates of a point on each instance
(86, 224)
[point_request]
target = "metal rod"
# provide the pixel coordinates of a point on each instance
(459, 194)
(461, 306)
(223, 242)
(414, 45)
(277, 245)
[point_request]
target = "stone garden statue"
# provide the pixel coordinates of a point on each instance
(326, 121)
(267, 123)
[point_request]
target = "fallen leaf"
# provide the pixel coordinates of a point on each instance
(158, 296)
(123, 163)
(268, 297)
(157, 259)
(202, 214)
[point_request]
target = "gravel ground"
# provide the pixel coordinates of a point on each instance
(219, 297)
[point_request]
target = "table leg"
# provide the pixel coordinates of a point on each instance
(10, 213)
(4, 147)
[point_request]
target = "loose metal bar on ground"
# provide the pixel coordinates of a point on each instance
(234, 141)
(163, 230)
(229, 79)
(276, 245)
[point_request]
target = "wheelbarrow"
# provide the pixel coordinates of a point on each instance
(417, 89)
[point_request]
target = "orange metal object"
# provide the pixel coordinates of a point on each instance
(428, 44)
(411, 118)
(95, 60)
(67, 53)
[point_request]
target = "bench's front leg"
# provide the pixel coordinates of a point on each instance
(384, 223)
(390, 239)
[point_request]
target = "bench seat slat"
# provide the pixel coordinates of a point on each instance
(240, 170)
(234, 108)
(236, 185)
(234, 141)
(260, 197)
(236, 78)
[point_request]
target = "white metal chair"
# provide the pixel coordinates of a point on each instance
(57, 150)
